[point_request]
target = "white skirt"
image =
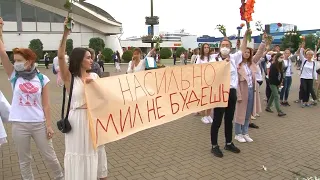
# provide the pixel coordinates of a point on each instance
(81, 161)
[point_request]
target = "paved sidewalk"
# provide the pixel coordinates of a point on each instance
(288, 147)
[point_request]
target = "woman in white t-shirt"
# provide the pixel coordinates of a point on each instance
(30, 110)
(137, 64)
(205, 58)
(308, 75)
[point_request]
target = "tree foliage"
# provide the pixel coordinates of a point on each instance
(127, 56)
(69, 46)
(37, 47)
(97, 44)
(311, 41)
(179, 51)
(291, 41)
(107, 55)
(165, 53)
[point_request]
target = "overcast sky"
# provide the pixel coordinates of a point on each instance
(200, 17)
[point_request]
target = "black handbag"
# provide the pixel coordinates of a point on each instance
(64, 125)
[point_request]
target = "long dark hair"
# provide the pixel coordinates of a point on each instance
(277, 63)
(76, 57)
(202, 51)
(249, 60)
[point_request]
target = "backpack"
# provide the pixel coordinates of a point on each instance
(15, 78)
(54, 70)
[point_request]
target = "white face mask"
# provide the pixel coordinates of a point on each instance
(280, 59)
(225, 51)
(19, 66)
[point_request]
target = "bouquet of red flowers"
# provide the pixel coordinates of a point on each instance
(246, 10)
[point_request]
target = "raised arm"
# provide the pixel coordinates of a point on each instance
(260, 51)
(63, 67)
(150, 52)
(244, 43)
(7, 65)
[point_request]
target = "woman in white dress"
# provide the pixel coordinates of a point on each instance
(81, 160)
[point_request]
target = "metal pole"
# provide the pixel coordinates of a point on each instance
(152, 28)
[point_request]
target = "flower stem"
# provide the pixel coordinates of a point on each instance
(248, 35)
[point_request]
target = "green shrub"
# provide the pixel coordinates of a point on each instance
(179, 51)
(107, 55)
(69, 46)
(165, 53)
(127, 56)
(97, 44)
(37, 47)
(52, 55)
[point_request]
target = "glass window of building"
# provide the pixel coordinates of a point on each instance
(8, 10)
(55, 18)
(28, 13)
(42, 15)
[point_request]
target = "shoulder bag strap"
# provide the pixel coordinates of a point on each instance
(69, 100)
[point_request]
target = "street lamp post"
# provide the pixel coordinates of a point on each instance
(152, 27)
(151, 20)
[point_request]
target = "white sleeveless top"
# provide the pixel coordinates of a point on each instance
(78, 97)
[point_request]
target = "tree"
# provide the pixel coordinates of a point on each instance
(97, 44)
(165, 53)
(37, 47)
(311, 41)
(69, 46)
(127, 56)
(107, 55)
(179, 51)
(291, 41)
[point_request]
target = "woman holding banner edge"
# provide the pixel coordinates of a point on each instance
(81, 160)
(228, 112)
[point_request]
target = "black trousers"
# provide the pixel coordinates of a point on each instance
(102, 66)
(301, 90)
(228, 113)
(268, 90)
(307, 89)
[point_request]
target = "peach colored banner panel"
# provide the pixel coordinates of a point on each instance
(119, 106)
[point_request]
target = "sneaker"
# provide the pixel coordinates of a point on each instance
(314, 103)
(280, 114)
(205, 120)
(287, 104)
(231, 147)
(253, 118)
(303, 105)
(216, 151)
(269, 110)
(240, 138)
(257, 115)
(247, 138)
(209, 119)
(252, 125)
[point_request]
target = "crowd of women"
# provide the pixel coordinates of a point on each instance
(30, 108)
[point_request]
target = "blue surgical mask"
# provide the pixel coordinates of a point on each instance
(19, 66)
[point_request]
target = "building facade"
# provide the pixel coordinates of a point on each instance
(43, 19)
